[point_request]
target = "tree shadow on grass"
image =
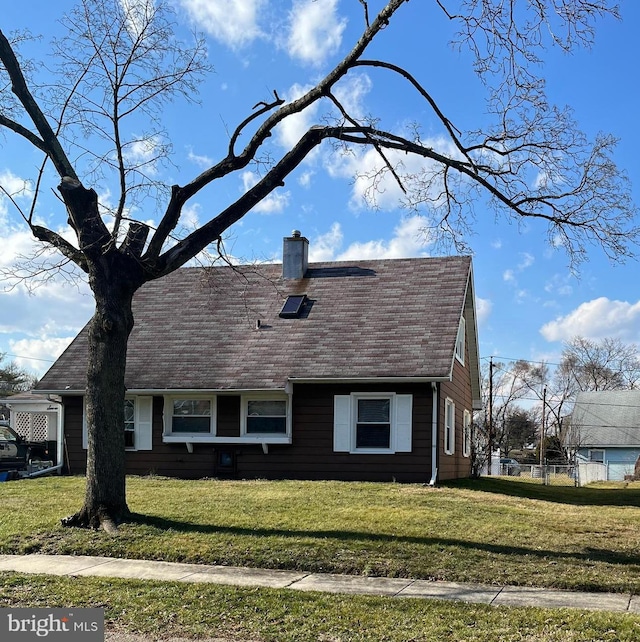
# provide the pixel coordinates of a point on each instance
(584, 496)
(363, 538)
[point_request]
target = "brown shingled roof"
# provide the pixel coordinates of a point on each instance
(197, 328)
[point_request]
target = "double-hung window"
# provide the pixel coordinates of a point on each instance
(372, 423)
(265, 416)
(449, 427)
(189, 418)
(460, 341)
(191, 415)
(137, 424)
(129, 423)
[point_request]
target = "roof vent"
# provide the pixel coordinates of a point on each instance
(293, 306)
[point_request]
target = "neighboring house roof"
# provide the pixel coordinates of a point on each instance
(607, 418)
(219, 328)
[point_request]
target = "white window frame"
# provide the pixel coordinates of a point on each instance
(132, 424)
(460, 340)
(466, 435)
(449, 427)
(142, 425)
(283, 437)
(191, 437)
(346, 415)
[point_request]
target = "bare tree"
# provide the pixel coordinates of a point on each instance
(586, 365)
(13, 378)
(589, 365)
(121, 62)
(503, 388)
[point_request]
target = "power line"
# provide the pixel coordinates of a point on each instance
(21, 356)
(501, 358)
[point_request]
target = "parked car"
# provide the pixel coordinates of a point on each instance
(16, 452)
(510, 467)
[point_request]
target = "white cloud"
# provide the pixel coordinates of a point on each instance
(54, 309)
(200, 161)
(138, 13)
(15, 244)
(510, 275)
(351, 93)
(305, 179)
(324, 247)
(17, 188)
(37, 355)
(527, 261)
(39, 325)
(375, 186)
(483, 309)
(144, 153)
(14, 185)
(190, 217)
(559, 285)
(408, 240)
(315, 30)
(289, 131)
(275, 203)
(231, 22)
(597, 319)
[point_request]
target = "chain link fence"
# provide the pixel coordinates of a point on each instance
(549, 475)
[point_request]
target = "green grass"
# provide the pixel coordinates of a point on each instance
(267, 615)
(494, 531)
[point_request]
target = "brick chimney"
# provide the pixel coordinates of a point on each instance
(295, 256)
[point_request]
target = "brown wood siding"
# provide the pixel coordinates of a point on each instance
(228, 415)
(310, 455)
(171, 460)
(459, 391)
(75, 456)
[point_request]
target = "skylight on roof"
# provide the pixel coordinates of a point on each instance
(292, 306)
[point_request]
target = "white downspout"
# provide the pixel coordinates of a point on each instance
(434, 433)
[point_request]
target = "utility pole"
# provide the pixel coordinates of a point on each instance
(543, 430)
(490, 439)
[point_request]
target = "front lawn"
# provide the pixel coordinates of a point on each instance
(161, 610)
(494, 531)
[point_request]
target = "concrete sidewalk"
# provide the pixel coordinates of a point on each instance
(300, 581)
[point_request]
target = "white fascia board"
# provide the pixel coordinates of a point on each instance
(368, 380)
(174, 392)
(208, 439)
(159, 392)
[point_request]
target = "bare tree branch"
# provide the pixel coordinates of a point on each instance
(49, 140)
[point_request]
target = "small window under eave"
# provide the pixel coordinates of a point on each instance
(293, 306)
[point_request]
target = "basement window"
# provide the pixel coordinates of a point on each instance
(293, 306)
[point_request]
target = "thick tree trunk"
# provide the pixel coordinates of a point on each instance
(105, 503)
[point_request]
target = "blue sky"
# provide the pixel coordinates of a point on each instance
(528, 300)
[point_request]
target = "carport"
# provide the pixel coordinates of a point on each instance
(39, 418)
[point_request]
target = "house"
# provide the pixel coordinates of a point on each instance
(358, 370)
(605, 428)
